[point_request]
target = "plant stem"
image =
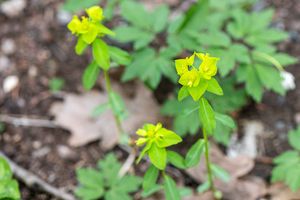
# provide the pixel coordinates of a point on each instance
(109, 91)
(208, 164)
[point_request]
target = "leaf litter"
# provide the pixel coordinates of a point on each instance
(74, 114)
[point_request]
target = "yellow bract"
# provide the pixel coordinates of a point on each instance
(208, 67)
(95, 13)
(148, 132)
(190, 75)
(89, 27)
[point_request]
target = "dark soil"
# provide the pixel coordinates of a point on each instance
(45, 50)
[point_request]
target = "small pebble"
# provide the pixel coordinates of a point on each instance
(10, 83)
(8, 46)
(297, 118)
(288, 80)
(4, 63)
(280, 125)
(32, 72)
(65, 152)
(13, 8)
(41, 152)
(63, 17)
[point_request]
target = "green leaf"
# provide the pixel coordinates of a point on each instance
(129, 183)
(197, 12)
(197, 92)
(97, 111)
(183, 92)
(270, 78)
(293, 178)
(80, 46)
(182, 123)
(5, 172)
(110, 168)
(136, 68)
(101, 54)
(266, 36)
(167, 138)
(76, 5)
(294, 138)
(150, 178)
(171, 191)
(119, 56)
(214, 87)
(9, 189)
(110, 8)
(136, 14)
(225, 120)
(115, 194)
(150, 191)
(253, 84)
(176, 159)
(90, 75)
(213, 38)
(287, 157)
(285, 59)
(207, 116)
(145, 150)
(86, 193)
(89, 178)
(160, 18)
(203, 187)
(158, 156)
(220, 173)
(193, 156)
(261, 20)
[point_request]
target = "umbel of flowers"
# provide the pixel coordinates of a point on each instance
(89, 28)
(197, 77)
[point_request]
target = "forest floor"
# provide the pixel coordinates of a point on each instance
(44, 49)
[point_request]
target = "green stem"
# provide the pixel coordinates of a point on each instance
(109, 90)
(208, 164)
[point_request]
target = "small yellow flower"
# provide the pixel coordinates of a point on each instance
(195, 79)
(156, 139)
(74, 25)
(95, 13)
(182, 65)
(89, 28)
(208, 67)
(190, 78)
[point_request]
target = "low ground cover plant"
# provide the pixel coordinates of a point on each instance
(238, 62)
(9, 187)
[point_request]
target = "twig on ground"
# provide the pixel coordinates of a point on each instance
(128, 163)
(33, 181)
(27, 121)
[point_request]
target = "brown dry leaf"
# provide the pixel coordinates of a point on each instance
(238, 188)
(280, 191)
(74, 114)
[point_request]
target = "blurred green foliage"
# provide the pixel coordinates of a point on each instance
(287, 164)
(9, 188)
(105, 181)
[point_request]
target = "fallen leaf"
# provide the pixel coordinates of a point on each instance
(239, 187)
(74, 114)
(279, 191)
(248, 144)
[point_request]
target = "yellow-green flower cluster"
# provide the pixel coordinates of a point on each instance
(195, 79)
(156, 139)
(89, 28)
